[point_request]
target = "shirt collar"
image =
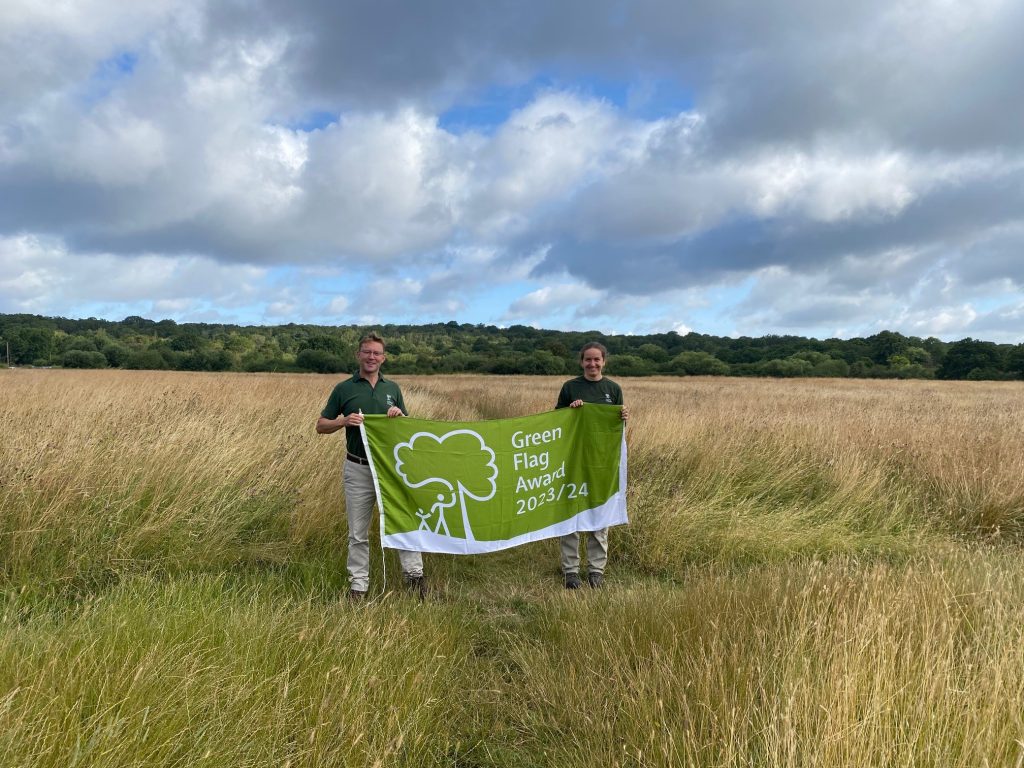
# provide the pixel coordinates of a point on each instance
(357, 377)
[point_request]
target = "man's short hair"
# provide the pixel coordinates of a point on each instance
(371, 336)
(594, 345)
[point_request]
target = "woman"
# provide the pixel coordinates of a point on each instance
(591, 387)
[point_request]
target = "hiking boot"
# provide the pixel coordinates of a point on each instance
(356, 595)
(417, 585)
(596, 580)
(572, 581)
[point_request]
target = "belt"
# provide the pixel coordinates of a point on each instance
(357, 459)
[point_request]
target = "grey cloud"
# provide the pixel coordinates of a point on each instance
(389, 53)
(792, 302)
(939, 303)
(40, 272)
(821, 311)
(997, 255)
(1001, 325)
(944, 217)
(915, 74)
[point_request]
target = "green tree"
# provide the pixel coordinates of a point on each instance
(790, 366)
(629, 365)
(189, 341)
(319, 361)
(115, 353)
(332, 344)
(886, 344)
(969, 355)
(1015, 361)
(75, 342)
(936, 349)
(914, 371)
(542, 363)
(698, 364)
(917, 355)
(31, 346)
(652, 352)
(146, 359)
(557, 348)
(830, 367)
(78, 358)
(898, 361)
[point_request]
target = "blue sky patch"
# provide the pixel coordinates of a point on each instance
(491, 108)
(108, 75)
(313, 121)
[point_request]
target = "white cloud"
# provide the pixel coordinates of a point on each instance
(550, 298)
(543, 153)
(379, 186)
(112, 149)
(176, 307)
(829, 186)
(48, 47)
(338, 305)
(278, 310)
(38, 273)
(941, 322)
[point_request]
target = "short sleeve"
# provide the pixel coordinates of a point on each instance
(333, 407)
(563, 397)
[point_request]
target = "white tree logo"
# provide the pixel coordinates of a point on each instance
(460, 462)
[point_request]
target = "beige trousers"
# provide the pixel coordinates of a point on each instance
(597, 551)
(360, 499)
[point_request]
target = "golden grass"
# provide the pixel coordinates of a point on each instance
(815, 573)
(819, 665)
(198, 672)
(105, 471)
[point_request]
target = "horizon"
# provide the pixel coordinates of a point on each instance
(595, 331)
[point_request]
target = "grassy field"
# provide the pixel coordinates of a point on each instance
(816, 573)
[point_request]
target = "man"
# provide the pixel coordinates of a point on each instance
(366, 392)
(591, 387)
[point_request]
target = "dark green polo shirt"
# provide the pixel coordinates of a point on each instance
(356, 394)
(603, 391)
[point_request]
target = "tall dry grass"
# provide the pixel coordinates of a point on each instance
(815, 573)
(107, 471)
(205, 672)
(111, 470)
(785, 665)
(767, 469)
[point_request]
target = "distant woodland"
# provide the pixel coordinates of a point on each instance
(135, 342)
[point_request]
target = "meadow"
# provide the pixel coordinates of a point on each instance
(816, 573)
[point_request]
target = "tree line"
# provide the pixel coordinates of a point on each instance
(139, 343)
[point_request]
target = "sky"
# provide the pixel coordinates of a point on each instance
(812, 167)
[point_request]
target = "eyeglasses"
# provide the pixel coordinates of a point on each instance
(371, 353)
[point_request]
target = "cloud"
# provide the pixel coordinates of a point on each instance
(41, 272)
(547, 301)
(338, 305)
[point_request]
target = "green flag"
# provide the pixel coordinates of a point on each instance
(479, 486)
